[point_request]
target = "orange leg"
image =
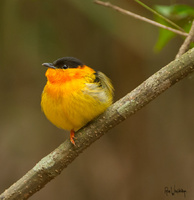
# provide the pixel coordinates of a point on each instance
(72, 136)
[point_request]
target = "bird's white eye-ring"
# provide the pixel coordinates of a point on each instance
(64, 67)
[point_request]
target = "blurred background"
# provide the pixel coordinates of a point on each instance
(137, 159)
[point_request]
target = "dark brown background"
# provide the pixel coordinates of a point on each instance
(137, 159)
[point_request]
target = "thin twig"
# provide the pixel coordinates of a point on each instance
(185, 46)
(126, 12)
(159, 15)
(53, 164)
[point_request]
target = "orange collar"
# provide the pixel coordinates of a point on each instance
(64, 75)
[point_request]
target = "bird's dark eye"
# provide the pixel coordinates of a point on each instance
(64, 67)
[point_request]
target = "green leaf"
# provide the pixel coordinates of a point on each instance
(182, 15)
(175, 12)
(164, 37)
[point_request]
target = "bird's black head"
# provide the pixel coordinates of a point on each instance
(64, 63)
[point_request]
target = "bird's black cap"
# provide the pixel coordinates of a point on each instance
(64, 63)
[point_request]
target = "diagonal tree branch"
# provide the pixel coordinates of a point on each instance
(186, 44)
(126, 12)
(53, 164)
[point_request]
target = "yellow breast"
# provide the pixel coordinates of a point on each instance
(71, 98)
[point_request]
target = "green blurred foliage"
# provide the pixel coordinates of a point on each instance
(181, 15)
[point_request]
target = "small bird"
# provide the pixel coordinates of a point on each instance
(74, 94)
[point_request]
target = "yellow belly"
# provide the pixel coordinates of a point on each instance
(69, 108)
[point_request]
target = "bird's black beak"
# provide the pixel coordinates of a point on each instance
(50, 65)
